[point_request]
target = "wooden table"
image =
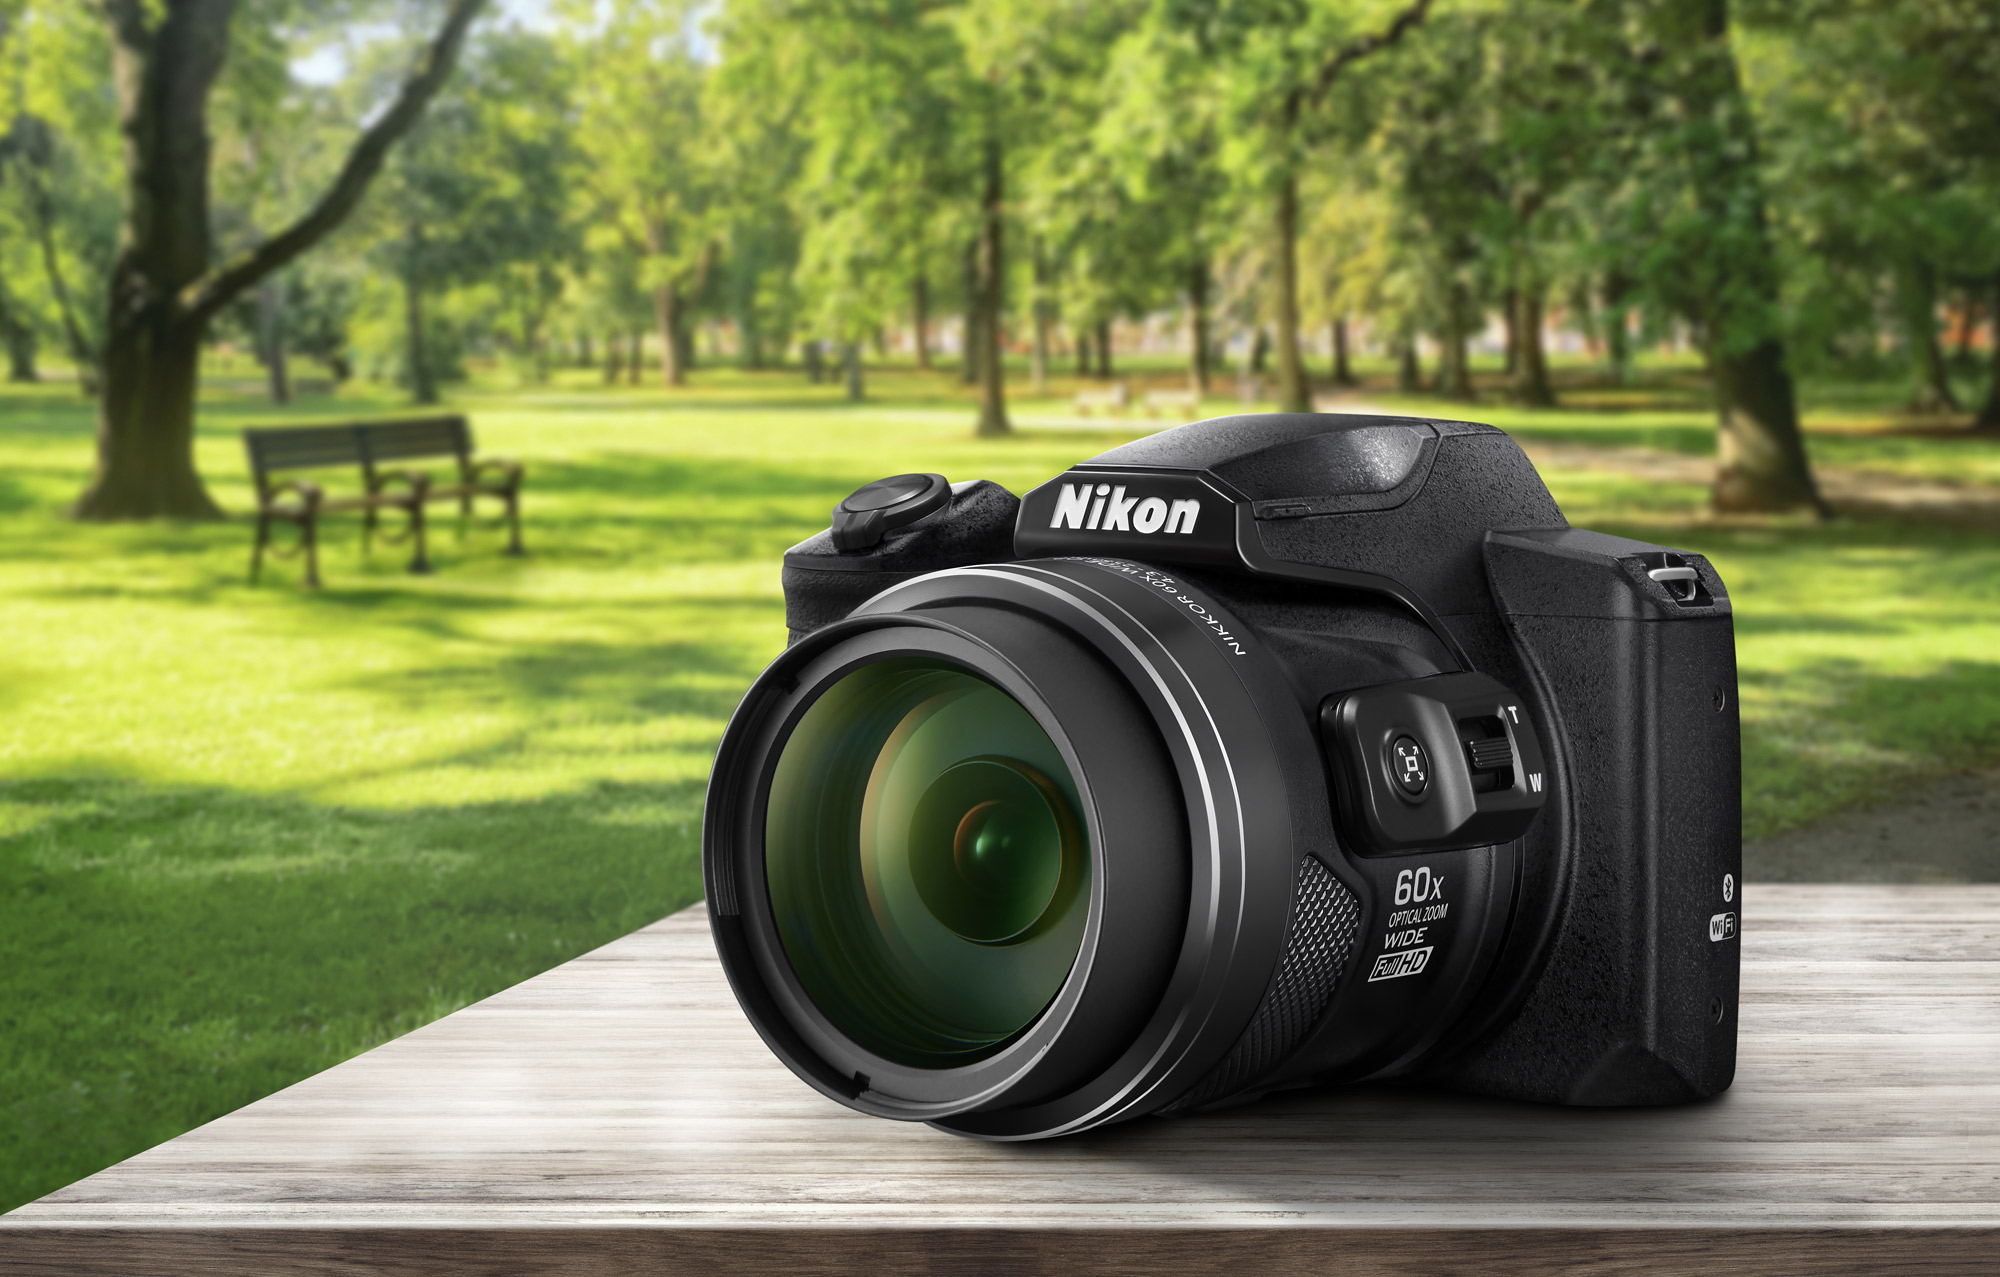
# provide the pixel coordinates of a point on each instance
(617, 1114)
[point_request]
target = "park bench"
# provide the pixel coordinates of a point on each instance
(1116, 399)
(372, 445)
(619, 1114)
(1184, 403)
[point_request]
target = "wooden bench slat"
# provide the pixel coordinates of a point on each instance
(370, 444)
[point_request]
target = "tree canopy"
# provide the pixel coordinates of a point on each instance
(637, 184)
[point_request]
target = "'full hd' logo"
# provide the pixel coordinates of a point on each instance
(1103, 508)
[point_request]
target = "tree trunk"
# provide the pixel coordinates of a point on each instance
(635, 360)
(83, 357)
(1760, 455)
(1989, 413)
(667, 318)
(1510, 312)
(537, 348)
(968, 364)
(992, 282)
(20, 339)
(1760, 450)
(1100, 346)
(145, 427)
(423, 387)
(1531, 362)
(21, 355)
(1082, 351)
(1409, 370)
(850, 356)
(1198, 371)
(614, 359)
(1916, 299)
(271, 338)
(1617, 341)
(1041, 312)
(164, 65)
(1294, 394)
(1454, 367)
(920, 311)
(1343, 371)
(685, 353)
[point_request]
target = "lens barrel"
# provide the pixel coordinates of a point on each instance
(1013, 848)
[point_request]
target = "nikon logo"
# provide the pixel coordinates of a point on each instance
(1103, 508)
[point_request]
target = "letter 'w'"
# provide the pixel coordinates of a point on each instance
(1071, 505)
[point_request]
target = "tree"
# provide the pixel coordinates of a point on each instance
(165, 289)
(1128, 185)
(59, 206)
(1278, 61)
(640, 125)
(1485, 128)
(1701, 205)
(874, 97)
(1888, 164)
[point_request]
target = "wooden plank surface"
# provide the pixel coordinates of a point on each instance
(618, 1113)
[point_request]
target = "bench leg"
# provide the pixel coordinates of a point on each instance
(514, 523)
(309, 535)
(368, 529)
(257, 551)
(420, 564)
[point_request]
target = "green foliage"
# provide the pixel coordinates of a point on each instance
(649, 180)
(1887, 181)
(59, 202)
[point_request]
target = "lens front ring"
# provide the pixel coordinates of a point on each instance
(1094, 731)
(1240, 784)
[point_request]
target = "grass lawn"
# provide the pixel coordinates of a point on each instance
(246, 833)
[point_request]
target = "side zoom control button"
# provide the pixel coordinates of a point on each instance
(1481, 780)
(1490, 755)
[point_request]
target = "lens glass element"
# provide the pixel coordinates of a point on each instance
(927, 868)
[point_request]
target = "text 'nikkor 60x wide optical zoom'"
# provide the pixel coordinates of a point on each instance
(1265, 752)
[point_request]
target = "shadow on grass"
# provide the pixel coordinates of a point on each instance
(619, 682)
(176, 952)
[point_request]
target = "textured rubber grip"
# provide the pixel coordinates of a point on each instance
(1324, 928)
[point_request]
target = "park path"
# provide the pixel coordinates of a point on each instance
(1947, 831)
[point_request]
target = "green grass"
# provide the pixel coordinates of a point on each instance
(246, 833)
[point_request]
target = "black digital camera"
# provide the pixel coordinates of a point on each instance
(1265, 752)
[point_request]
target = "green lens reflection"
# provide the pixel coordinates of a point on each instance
(986, 848)
(927, 869)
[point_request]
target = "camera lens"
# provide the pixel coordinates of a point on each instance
(1012, 848)
(927, 870)
(987, 848)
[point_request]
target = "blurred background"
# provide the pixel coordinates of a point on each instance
(1729, 272)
